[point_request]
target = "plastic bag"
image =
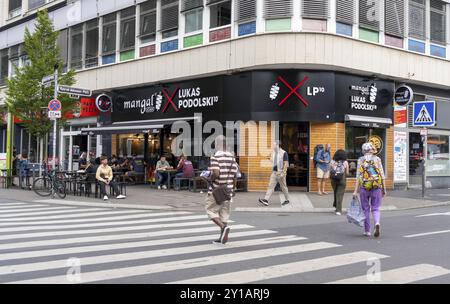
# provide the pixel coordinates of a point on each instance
(355, 214)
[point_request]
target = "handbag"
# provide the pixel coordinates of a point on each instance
(355, 214)
(222, 194)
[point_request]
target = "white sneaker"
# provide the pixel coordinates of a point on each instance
(164, 187)
(120, 196)
(338, 213)
(105, 198)
(367, 234)
(159, 187)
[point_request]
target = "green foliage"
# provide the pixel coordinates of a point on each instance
(26, 98)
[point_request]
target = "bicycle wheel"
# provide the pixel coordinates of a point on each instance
(42, 186)
(60, 189)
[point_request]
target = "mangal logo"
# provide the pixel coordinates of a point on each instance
(179, 98)
(310, 91)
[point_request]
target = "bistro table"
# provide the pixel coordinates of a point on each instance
(170, 172)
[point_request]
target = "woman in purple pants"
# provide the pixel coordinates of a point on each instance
(370, 186)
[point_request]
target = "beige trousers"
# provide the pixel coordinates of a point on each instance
(213, 210)
(280, 178)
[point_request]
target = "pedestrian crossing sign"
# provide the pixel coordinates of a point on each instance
(424, 114)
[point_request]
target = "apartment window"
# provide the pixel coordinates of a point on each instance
(127, 29)
(345, 11)
(14, 8)
(394, 18)
(76, 47)
(3, 66)
(417, 19)
(277, 9)
(63, 45)
(316, 9)
(91, 52)
(220, 13)
(438, 21)
(245, 10)
(109, 34)
(24, 60)
(148, 22)
(369, 14)
(169, 18)
(32, 4)
(14, 59)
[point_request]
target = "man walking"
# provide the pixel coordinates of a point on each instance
(323, 168)
(223, 170)
(280, 162)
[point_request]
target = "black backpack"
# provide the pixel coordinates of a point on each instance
(316, 151)
(337, 171)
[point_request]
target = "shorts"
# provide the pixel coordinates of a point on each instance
(322, 174)
(213, 210)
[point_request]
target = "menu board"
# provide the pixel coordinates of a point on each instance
(400, 157)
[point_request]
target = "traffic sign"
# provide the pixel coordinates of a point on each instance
(47, 80)
(54, 105)
(74, 91)
(424, 114)
(54, 114)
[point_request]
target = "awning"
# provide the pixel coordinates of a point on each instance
(368, 121)
(123, 129)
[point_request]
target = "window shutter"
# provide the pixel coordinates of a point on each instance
(394, 18)
(187, 5)
(277, 8)
(316, 9)
(438, 21)
(245, 10)
(417, 19)
(169, 15)
(369, 14)
(345, 11)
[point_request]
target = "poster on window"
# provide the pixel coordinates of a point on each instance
(400, 157)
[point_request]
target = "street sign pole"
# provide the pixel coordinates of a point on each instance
(425, 156)
(55, 96)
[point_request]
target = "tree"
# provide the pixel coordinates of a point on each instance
(26, 98)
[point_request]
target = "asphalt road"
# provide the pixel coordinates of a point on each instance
(42, 243)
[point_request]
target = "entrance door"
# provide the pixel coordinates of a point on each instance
(295, 141)
(415, 155)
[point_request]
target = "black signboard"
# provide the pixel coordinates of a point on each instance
(363, 96)
(283, 95)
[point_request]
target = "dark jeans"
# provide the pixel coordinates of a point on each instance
(338, 191)
(112, 184)
(161, 177)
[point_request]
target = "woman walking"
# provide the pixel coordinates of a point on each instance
(370, 186)
(338, 174)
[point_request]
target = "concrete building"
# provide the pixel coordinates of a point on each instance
(327, 70)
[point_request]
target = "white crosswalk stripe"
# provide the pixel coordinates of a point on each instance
(426, 233)
(403, 275)
(126, 244)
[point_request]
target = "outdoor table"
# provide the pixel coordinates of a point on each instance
(170, 172)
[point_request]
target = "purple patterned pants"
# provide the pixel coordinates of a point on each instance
(371, 200)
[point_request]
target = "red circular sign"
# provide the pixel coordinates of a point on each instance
(54, 105)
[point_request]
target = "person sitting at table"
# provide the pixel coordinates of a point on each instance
(185, 167)
(104, 177)
(161, 175)
(113, 162)
(82, 161)
(132, 173)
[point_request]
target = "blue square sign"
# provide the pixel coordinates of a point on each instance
(424, 114)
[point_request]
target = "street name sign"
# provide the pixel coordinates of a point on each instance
(74, 91)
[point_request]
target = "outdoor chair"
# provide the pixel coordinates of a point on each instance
(197, 183)
(179, 181)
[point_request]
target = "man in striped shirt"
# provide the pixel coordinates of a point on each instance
(223, 170)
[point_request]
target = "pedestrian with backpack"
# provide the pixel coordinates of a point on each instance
(339, 170)
(323, 168)
(370, 186)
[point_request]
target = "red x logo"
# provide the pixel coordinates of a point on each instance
(170, 100)
(293, 90)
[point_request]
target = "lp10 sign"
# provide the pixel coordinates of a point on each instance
(313, 91)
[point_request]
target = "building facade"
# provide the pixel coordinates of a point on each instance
(326, 70)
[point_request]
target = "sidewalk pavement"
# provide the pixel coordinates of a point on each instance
(144, 197)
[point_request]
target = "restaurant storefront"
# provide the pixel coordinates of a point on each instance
(303, 108)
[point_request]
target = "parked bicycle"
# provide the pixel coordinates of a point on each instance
(50, 184)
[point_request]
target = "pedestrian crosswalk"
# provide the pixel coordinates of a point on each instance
(39, 242)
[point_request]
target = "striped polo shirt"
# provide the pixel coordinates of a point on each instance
(227, 166)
